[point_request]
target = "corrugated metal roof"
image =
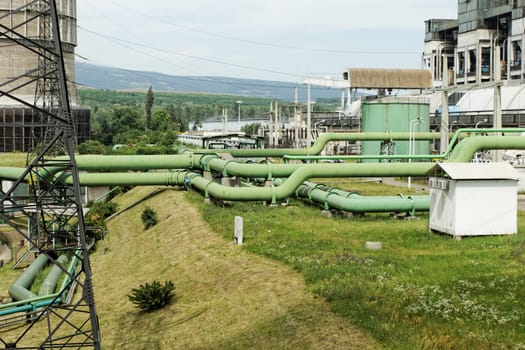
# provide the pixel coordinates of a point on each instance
(479, 171)
(372, 78)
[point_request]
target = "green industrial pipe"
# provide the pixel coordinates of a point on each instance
(19, 289)
(468, 147)
(353, 202)
(297, 177)
(257, 193)
(50, 282)
(11, 173)
(297, 173)
(452, 144)
(33, 304)
(321, 142)
(212, 162)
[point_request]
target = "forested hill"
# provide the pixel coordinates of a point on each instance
(100, 77)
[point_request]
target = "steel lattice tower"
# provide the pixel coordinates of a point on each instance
(52, 203)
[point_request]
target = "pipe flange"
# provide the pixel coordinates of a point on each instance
(329, 193)
(205, 160)
(348, 194)
(224, 170)
(309, 193)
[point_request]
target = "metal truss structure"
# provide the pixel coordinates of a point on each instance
(42, 205)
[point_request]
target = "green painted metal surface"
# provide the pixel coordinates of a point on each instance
(394, 116)
(333, 198)
(50, 282)
(19, 290)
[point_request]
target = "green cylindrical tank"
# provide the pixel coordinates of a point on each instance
(395, 115)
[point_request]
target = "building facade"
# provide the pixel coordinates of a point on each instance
(485, 43)
(20, 127)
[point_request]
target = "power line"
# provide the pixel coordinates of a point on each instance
(126, 43)
(260, 43)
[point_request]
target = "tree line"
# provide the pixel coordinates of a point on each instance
(148, 122)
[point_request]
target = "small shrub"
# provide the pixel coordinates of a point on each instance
(149, 217)
(148, 297)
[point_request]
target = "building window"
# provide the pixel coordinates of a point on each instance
(472, 61)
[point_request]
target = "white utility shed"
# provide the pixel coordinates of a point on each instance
(474, 199)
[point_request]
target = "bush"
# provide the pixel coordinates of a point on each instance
(96, 216)
(148, 297)
(92, 147)
(149, 218)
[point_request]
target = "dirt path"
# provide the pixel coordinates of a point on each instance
(227, 298)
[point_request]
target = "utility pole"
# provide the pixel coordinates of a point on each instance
(224, 120)
(270, 127)
(239, 113)
(297, 117)
(277, 124)
(308, 118)
(53, 207)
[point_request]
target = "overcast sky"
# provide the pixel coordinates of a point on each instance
(261, 39)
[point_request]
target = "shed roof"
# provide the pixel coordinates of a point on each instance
(478, 171)
(373, 78)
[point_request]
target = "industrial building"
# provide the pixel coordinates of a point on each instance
(20, 126)
(485, 43)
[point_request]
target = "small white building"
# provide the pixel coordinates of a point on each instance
(474, 199)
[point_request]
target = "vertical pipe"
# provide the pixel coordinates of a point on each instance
(497, 123)
(296, 116)
(444, 132)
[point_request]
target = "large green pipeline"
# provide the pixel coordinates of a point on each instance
(50, 282)
(35, 303)
(458, 135)
(355, 203)
(211, 162)
(297, 174)
(466, 149)
(321, 142)
(19, 289)
(213, 189)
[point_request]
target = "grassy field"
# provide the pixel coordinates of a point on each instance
(227, 298)
(16, 159)
(304, 281)
(421, 291)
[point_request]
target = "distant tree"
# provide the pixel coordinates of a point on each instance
(92, 147)
(148, 105)
(168, 139)
(130, 137)
(125, 119)
(251, 129)
(160, 121)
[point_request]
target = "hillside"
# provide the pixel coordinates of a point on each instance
(101, 77)
(226, 298)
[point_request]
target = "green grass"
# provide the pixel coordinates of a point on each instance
(420, 291)
(227, 298)
(15, 159)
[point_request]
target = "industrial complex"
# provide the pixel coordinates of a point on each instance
(456, 124)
